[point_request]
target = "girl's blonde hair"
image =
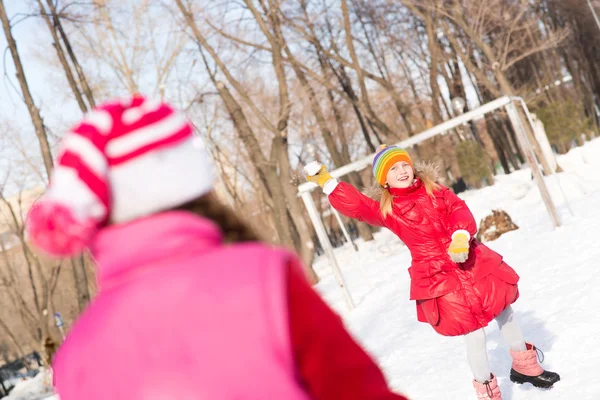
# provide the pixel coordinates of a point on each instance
(427, 173)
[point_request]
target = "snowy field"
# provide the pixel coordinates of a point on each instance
(559, 287)
(560, 281)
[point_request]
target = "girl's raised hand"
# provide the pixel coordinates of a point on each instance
(317, 173)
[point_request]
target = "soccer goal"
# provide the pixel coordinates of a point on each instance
(510, 104)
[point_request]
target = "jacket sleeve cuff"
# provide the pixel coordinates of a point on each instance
(462, 232)
(330, 186)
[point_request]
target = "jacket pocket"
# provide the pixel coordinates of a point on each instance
(428, 311)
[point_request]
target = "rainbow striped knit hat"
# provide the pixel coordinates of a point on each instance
(385, 158)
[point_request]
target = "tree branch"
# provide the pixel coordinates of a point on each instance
(548, 44)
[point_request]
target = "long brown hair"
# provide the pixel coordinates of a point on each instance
(234, 229)
(427, 173)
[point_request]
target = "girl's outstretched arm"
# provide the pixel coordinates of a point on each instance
(344, 197)
(349, 201)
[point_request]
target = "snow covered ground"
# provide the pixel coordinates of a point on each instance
(560, 282)
(560, 292)
(37, 388)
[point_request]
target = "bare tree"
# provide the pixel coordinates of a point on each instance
(275, 170)
(141, 58)
(58, 26)
(62, 58)
(33, 307)
(65, 51)
(34, 111)
(270, 25)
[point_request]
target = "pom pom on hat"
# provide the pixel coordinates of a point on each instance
(127, 159)
(385, 157)
(53, 228)
(381, 147)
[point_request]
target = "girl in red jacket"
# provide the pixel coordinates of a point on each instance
(459, 284)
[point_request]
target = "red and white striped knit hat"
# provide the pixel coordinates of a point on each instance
(127, 159)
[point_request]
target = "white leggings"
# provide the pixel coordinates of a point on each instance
(476, 344)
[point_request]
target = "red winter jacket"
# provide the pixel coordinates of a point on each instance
(454, 298)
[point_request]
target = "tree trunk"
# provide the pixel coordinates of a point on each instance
(364, 230)
(432, 45)
(270, 27)
(346, 85)
(306, 246)
(81, 282)
(336, 156)
(82, 79)
(401, 107)
(339, 158)
(34, 112)
(496, 134)
(411, 84)
(503, 83)
(267, 171)
(63, 60)
(78, 264)
(364, 95)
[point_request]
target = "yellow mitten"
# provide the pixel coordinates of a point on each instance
(459, 248)
(317, 173)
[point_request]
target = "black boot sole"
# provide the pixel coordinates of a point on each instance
(534, 380)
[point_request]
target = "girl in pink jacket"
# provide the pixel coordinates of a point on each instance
(190, 305)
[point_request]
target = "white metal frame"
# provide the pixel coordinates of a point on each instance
(509, 103)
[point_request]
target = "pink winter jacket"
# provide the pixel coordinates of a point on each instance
(178, 317)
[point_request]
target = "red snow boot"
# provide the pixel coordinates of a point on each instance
(488, 390)
(525, 368)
